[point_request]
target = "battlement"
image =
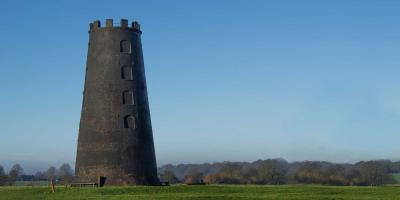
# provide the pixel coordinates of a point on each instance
(109, 23)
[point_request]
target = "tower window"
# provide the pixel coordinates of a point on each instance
(127, 73)
(127, 97)
(129, 122)
(125, 46)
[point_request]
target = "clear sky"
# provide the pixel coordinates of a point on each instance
(227, 80)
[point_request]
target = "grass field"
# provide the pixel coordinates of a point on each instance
(297, 192)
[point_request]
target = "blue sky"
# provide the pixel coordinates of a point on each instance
(227, 80)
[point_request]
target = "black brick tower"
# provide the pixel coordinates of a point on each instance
(115, 135)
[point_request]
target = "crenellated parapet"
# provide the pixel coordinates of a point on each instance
(109, 23)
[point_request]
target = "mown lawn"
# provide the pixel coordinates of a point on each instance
(297, 192)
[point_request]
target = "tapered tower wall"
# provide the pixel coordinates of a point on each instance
(115, 135)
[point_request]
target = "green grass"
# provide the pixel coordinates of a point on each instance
(298, 192)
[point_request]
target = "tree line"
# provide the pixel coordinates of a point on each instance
(271, 171)
(16, 173)
(279, 171)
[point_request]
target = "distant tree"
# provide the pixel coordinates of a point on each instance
(211, 179)
(40, 175)
(250, 176)
(15, 172)
(169, 176)
(230, 173)
(281, 172)
(309, 172)
(3, 176)
(353, 176)
(334, 174)
(66, 172)
(273, 171)
(52, 172)
(193, 177)
(374, 173)
(395, 167)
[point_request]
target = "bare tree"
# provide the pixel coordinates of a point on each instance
(15, 172)
(40, 175)
(66, 172)
(51, 172)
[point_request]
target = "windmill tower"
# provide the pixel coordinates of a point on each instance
(115, 135)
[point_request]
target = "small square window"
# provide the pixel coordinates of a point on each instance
(125, 46)
(127, 98)
(127, 73)
(129, 122)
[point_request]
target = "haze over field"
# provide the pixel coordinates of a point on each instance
(227, 80)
